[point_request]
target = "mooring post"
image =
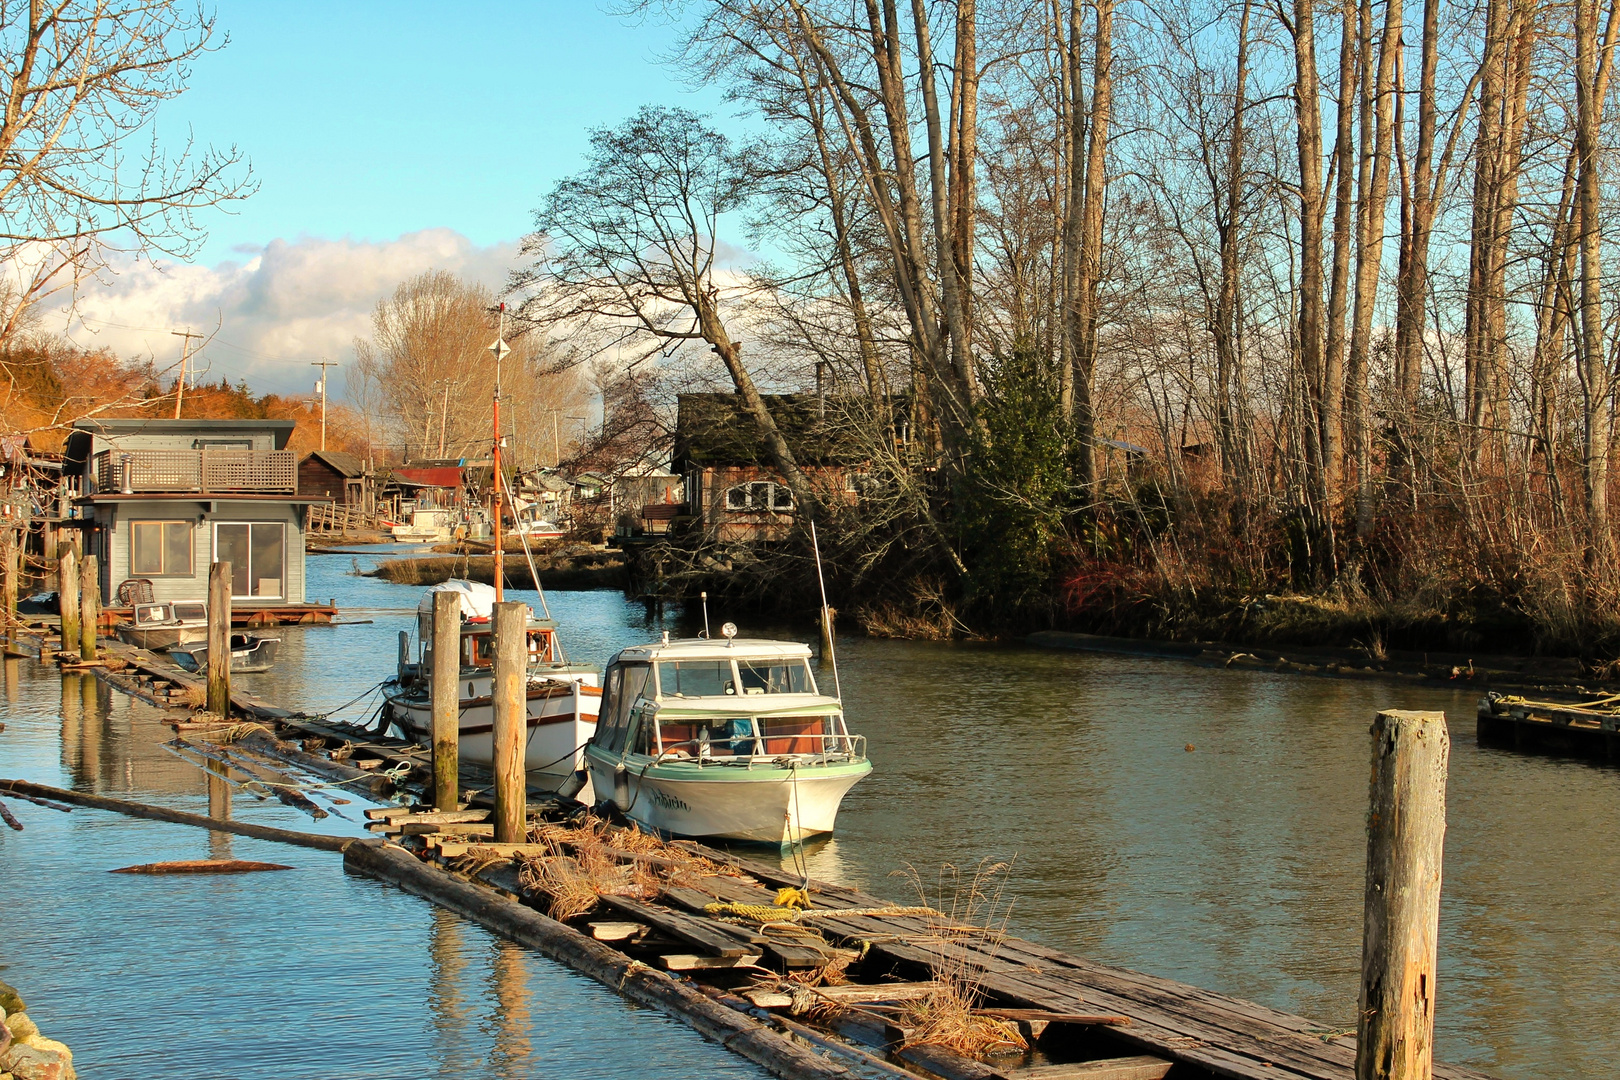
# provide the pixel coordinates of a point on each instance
(1406, 829)
(219, 639)
(9, 549)
(511, 722)
(826, 619)
(89, 607)
(67, 598)
(446, 704)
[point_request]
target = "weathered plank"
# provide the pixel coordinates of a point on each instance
(693, 962)
(714, 938)
(1140, 1067)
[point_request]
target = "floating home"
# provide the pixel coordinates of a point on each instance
(161, 500)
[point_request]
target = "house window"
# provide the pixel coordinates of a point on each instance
(160, 549)
(257, 553)
(759, 495)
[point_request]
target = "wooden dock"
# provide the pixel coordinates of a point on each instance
(821, 984)
(1588, 728)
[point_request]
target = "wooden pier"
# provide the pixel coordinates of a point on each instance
(808, 979)
(1588, 728)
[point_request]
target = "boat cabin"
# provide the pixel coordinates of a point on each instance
(718, 700)
(182, 612)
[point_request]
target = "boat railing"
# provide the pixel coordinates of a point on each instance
(833, 748)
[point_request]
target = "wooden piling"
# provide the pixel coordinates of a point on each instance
(9, 550)
(827, 619)
(89, 607)
(446, 683)
(511, 722)
(219, 639)
(67, 598)
(1406, 828)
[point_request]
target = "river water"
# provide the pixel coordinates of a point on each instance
(1197, 823)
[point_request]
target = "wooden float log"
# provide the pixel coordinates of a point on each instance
(1406, 830)
(67, 597)
(632, 979)
(219, 638)
(200, 866)
(262, 742)
(179, 817)
(440, 817)
(89, 603)
(511, 720)
(1139, 1067)
(444, 690)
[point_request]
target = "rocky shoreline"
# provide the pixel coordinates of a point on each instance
(25, 1054)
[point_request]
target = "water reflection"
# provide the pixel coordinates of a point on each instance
(509, 989)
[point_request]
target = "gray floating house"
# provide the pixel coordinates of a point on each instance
(160, 500)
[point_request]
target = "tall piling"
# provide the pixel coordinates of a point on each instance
(89, 607)
(446, 683)
(219, 639)
(9, 572)
(511, 722)
(1406, 829)
(67, 598)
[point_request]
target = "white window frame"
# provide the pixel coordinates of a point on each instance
(772, 492)
(282, 525)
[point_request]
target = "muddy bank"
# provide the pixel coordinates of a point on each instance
(1484, 672)
(562, 571)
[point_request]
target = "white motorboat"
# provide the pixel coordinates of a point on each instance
(160, 626)
(727, 739)
(428, 525)
(563, 698)
(250, 653)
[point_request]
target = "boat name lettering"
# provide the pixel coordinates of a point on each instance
(670, 802)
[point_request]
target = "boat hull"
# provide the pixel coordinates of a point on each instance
(158, 638)
(562, 719)
(259, 655)
(765, 804)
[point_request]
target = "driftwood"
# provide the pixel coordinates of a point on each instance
(5, 815)
(179, 817)
(200, 866)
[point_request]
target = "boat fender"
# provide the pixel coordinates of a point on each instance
(621, 785)
(574, 784)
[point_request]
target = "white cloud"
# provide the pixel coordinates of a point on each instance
(288, 303)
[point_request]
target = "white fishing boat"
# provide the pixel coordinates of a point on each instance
(160, 626)
(729, 739)
(563, 698)
(427, 525)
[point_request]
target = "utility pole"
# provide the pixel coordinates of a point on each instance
(185, 357)
(321, 386)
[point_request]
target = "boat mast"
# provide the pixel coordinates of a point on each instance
(500, 349)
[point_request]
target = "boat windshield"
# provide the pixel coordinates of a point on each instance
(695, 678)
(189, 611)
(761, 676)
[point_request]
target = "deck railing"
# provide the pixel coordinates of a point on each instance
(140, 471)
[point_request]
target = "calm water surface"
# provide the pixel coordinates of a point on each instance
(1236, 866)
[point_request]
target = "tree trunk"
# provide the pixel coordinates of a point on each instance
(1089, 255)
(1234, 457)
(1596, 391)
(1308, 120)
(1412, 281)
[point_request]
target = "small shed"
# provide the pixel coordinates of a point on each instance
(334, 475)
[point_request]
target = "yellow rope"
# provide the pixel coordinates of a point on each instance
(765, 913)
(792, 898)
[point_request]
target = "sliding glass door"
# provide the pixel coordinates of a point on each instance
(256, 551)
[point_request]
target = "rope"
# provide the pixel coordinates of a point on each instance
(331, 712)
(766, 913)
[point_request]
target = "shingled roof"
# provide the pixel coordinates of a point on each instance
(716, 429)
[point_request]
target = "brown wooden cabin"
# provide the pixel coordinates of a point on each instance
(334, 475)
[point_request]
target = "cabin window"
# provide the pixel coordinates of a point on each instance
(257, 554)
(624, 685)
(798, 734)
(160, 548)
(695, 678)
(759, 495)
(707, 737)
(775, 677)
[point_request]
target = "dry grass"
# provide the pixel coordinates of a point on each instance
(593, 858)
(570, 890)
(193, 697)
(968, 903)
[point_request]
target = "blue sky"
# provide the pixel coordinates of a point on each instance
(372, 119)
(387, 139)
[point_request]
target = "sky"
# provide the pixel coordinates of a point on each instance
(386, 139)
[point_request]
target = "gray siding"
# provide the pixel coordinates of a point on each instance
(195, 586)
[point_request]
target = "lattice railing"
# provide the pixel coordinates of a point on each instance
(269, 472)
